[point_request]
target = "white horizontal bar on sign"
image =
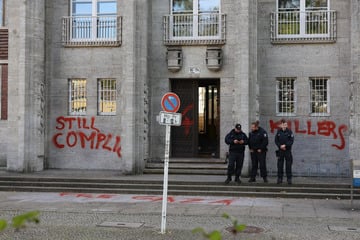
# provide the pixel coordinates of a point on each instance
(169, 118)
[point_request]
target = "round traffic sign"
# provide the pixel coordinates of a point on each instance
(170, 102)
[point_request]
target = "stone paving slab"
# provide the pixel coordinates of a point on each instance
(278, 218)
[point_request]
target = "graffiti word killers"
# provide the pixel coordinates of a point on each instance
(323, 128)
(86, 134)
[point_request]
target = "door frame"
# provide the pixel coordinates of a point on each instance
(196, 83)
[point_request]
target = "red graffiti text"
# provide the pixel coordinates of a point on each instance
(82, 132)
(187, 122)
(323, 128)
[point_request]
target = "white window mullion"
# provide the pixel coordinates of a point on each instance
(196, 18)
(94, 20)
(302, 18)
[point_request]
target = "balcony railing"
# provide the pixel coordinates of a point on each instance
(91, 31)
(308, 26)
(194, 29)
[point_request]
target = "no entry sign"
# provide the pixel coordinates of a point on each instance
(170, 102)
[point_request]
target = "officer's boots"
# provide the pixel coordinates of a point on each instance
(228, 180)
(237, 180)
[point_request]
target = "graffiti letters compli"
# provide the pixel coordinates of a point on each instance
(325, 128)
(80, 131)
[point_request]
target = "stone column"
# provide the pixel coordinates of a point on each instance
(135, 50)
(355, 82)
(26, 22)
(243, 72)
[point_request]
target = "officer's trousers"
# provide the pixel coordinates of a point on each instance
(287, 156)
(236, 160)
(258, 158)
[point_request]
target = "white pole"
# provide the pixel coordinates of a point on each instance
(166, 170)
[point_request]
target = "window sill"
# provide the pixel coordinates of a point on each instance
(320, 115)
(184, 42)
(286, 114)
(94, 43)
(305, 40)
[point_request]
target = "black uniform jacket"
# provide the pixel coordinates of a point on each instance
(284, 137)
(258, 140)
(233, 135)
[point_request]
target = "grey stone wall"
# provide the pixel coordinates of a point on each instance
(26, 118)
(239, 68)
(313, 152)
(39, 90)
(127, 64)
(355, 82)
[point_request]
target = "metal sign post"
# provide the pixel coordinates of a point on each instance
(166, 170)
(170, 103)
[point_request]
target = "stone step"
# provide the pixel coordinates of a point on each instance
(187, 166)
(193, 166)
(186, 171)
(301, 190)
(206, 180)
(191, 186)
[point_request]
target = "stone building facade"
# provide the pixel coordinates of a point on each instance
(83, 80)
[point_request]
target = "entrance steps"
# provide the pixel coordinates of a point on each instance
(183, 185)
(196, 166)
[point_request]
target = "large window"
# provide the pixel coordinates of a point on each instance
(195, 18)
(77, 97)
(304, 19)
(2, 17)
(285, 96)
(319, 96)
(106, 96)
(93, 19)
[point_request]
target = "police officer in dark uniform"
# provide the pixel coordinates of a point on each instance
(237, 140)
(284, 140)
(258, 141)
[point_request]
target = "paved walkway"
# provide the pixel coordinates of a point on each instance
(98, 216)
(80, 216)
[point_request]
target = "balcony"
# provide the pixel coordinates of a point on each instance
(91, 31)
(303, 27)
(195, 29)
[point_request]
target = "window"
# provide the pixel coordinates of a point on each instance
(106, 96)
(2, 15)
(319, 98)
(195, 18)
(285, 96)
(94, 19)
(304, 19)
(77, 97)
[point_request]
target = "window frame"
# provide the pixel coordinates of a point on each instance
(2, 15)
(94, 24)
(71, 97)
(294, 101)
(303, 22)
(195, 22)
(319, 114)
(110, 92)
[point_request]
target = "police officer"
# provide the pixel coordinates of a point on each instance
(258, 141)
(284, 140)
(237, 140)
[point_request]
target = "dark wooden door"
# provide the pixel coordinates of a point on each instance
(184, 139)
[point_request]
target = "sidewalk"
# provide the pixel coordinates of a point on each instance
(72, 217)
(77, 216)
